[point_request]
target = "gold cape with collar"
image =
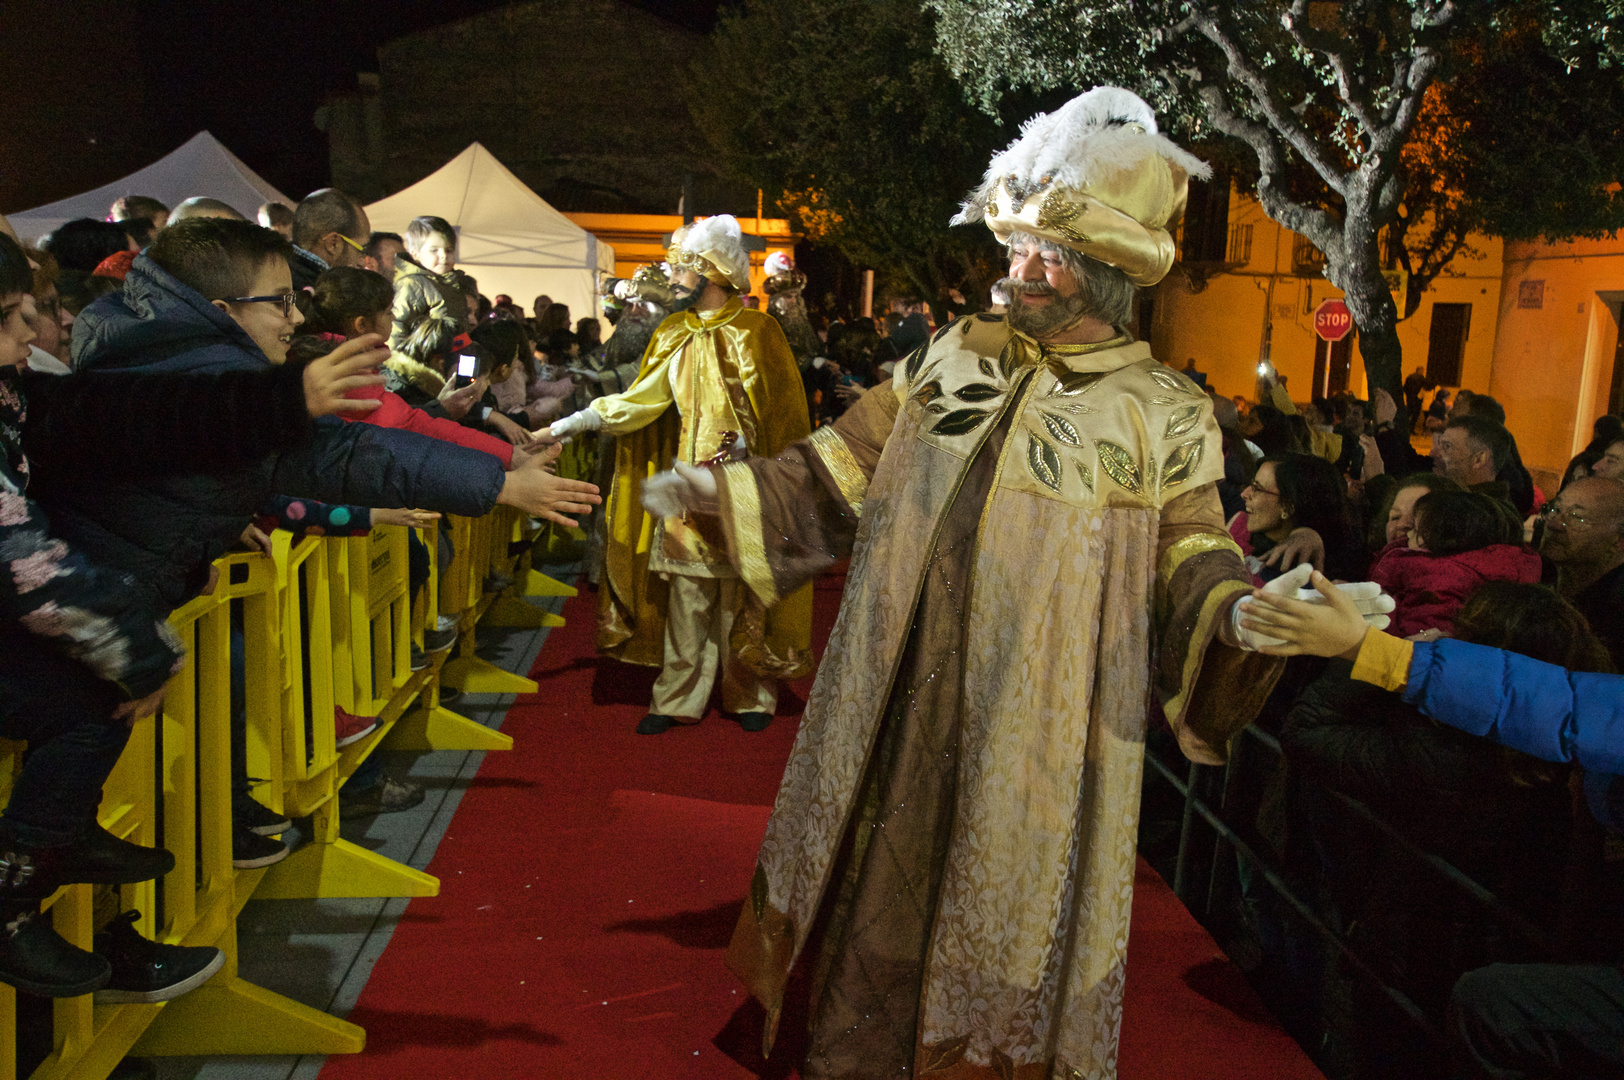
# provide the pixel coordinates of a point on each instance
(729, 369)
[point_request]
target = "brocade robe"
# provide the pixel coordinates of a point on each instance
(704, 374)
(1036, 544)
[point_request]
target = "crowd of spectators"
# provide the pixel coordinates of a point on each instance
(177, 383)
(1470, 550)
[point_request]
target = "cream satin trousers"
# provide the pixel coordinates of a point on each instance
(698, 623)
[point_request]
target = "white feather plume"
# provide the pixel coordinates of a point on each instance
(1079, 144)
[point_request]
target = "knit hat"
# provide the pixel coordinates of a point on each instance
(1093, 176)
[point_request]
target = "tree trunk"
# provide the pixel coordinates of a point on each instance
(1374, 313)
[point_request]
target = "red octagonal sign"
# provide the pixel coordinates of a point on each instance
(1333, 320)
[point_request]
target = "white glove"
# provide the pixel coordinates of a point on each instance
(1367, 596)
(577, 423)
(683, 488)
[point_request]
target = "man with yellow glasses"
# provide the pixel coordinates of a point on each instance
(329, 229)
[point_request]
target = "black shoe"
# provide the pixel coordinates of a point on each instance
(385, 797)
(35, 959)
(100, 858)
(251, 814)
(420, 659)
(145, 972)
(655, 724)
(439, 640)
(755, 721)
(449, 695)
(250, 850)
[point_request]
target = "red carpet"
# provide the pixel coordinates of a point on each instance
(590, 881)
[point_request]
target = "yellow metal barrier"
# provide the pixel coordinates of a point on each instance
(325, 622)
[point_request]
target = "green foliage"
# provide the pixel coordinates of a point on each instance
(1424, 120)
(845, 114)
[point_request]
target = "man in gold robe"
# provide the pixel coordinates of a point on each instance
(1036, 547)
(717, 380)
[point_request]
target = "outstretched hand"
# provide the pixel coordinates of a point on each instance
(1304, 545)
(351, 366)
(538, 492)
(412, 519)
(683, 488)
(1334, 624)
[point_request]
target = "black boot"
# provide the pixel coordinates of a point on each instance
(35, 959)
(146, 971)
(755, 721)
(100, 858)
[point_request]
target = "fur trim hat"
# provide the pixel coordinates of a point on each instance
(712, 247)
(1093, 176)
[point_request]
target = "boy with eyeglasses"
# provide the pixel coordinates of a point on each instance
(84, 651)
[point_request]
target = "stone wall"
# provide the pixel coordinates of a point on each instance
(580, 98)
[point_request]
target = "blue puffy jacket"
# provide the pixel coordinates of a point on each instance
(1528, 705)
(166, 530)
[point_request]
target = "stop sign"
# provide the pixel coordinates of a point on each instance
(1333, 320)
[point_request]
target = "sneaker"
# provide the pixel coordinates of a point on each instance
(420, 659)
(755, 721)
(387, 797)
(146, 972)
(445, 622)
(439, 640)
(250, 850)
(35, 959)
(100, 858)
(258, 818)
(349, 728)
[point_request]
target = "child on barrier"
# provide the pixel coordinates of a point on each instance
(83, 653)
(1459, 541)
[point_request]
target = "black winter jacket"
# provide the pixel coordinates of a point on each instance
(123, 425)
(166, 530)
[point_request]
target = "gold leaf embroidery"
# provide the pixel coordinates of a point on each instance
(1062, 429)
(1056, 215)
(959, 421)
(1164, 401)
(936, 407)
(1182, 421)
(929, 392)
(977, 392)
(1086, 475)
(1070, 383)
(1182, 463)
(1169, 380)
(1044, 462)
(1120, 466)
(986, 367)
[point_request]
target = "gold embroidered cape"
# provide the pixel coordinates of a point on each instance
(1036, 547)
(703, 374)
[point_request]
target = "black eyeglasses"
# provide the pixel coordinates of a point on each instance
(1551, 511)
(285, 299)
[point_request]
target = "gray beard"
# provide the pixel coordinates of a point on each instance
(1061, 313)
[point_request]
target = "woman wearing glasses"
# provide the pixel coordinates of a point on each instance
(1297, 511)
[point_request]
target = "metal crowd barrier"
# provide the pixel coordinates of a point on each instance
(325, 622)
(1202, 888)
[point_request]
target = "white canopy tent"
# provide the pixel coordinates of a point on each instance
(203, 166)
(508, 238)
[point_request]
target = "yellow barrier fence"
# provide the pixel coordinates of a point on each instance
(324, 622)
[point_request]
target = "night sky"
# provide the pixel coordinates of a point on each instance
(96, 89)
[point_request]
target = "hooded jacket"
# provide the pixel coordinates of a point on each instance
(1430, 589)
(166, 530)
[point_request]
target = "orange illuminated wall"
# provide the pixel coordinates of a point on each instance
(637, 239)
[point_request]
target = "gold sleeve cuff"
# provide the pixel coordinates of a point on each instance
(1384, 660)
(842, 465)
(749, 543)
(1182, 550)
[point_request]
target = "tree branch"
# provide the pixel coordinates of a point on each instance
(1281, 120)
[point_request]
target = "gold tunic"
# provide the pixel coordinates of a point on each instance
(1097, 570)
(704, 374)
